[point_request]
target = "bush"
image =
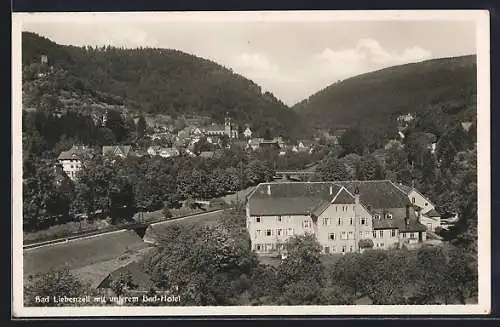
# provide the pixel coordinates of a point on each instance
(167, 213)
(366, 244)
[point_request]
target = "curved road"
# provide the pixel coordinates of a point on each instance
(72, 239)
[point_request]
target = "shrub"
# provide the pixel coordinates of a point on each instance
(167, 213)
(366, 244)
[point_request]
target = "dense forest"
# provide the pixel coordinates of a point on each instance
(380, 96)
(158, 81)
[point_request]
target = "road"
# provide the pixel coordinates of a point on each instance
(84, 237)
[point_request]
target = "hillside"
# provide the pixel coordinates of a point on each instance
(157, 81)
(449, 83)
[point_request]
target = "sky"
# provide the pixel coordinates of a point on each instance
(291, 59)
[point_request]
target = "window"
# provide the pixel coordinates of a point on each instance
(350, 221)
(350, 236)
(393, 233)
(426, 204)
(325, 221)
(389, 216)
(278, 232)
(340, 221)
(353, 208)
(257, 246)
(327, 249)
(429, 226)
(343, 249)
(381, 245)
(363, 221)
(404, 235)
(377, 216)
(412, 235)
(257, 219)
(360, 234)
(257, 233)
(306, 224)
(290, 231)
(72, 167)
(336, 208)
(374, 234)
(413, 200)
(331, 236)
(268, 232)
(381, 233)
(343, 236)
(279, 219)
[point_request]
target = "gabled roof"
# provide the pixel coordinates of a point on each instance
(291, 198)
(76, 152)
(140, 279)
(116, 150)
(377, 193)
(398, 222)
(432, 213)
(343, 197)
(215, 128)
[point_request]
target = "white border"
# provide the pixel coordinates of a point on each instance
(481, 17)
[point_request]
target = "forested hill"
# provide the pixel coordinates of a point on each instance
(449, 83)
(162, 81)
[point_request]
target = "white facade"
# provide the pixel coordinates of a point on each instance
(71, 166)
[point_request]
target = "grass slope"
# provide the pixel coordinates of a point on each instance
(449, 82)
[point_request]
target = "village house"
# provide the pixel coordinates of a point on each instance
(163, 151)
(254, 144)
(247, 132)
(121, 151)
(424, 207)
(71, 160)
(229, 129)
(342, 215)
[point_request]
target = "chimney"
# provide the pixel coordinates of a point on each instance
(356, 196)
(407, 217)
(268, 189)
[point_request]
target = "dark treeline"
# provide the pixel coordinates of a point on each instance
(160, 81)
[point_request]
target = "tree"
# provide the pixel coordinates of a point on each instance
(301, 275)
(352, 141)
(332, 169)
(141, 127)
(122, 283)
(433, 268)
(116, 124)
(369, 168)
(347, 272)
(54, 283)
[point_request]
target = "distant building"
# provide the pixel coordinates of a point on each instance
(44, 59)
(163, 152)
(405, 118)
(429, 216)
(341, 215)
(466, 125)
(247, 132)
(254, 144)
(121, 151)
(228, 129)
(71, 160)
(207, 154)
